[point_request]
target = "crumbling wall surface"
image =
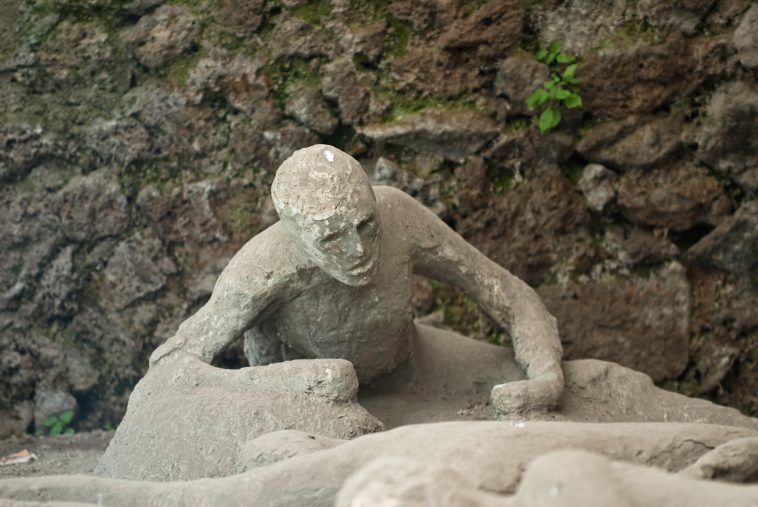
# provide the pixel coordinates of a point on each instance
(138, 139)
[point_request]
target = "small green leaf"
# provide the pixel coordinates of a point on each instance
(573, 101)
(57, 429)
(564, 58)
(551, 58)
(553, 47)
(49, 421)
(562, 94)
(541, 54)
(570, 72)
(549, 85)
(549, 118)
(67, 416)
(537, 98)
(69, 431)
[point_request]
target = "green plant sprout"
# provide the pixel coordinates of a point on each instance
(562, 89)
(58, 424)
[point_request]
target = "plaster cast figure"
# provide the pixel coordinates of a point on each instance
(481, 461)
(565, 478)
(332, 279)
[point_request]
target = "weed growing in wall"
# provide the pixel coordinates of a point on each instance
(561, 90)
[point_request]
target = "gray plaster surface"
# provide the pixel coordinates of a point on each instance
(491, 455)
(203, 418)
(565, 478)
(188, 420)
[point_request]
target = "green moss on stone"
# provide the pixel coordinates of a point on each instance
(112, 16)
(199, 8)
(632, 32)
(182, 66)
(518, 125)
(398, 32)
(240, 215)
(471, 6)
(344, 137)
(589, 124)
(501, 178)
(463, 315)
(368, 11)
(286, 74)
(362, 63)
(397, 36)
(573, 172)
(158, 173)
(314, 12)
(404, 105)
(22, 246)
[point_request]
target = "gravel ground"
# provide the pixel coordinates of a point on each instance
(64, 454)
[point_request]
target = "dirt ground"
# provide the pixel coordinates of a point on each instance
(63, 454)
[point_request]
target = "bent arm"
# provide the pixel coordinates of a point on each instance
(252, 283)
(223, 319)
(440, 253)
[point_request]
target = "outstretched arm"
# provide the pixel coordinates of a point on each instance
(255, 279)
(440, 253)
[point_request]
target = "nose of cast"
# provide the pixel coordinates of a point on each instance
(355, 247)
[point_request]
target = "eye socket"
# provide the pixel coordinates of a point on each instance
(329, 237)
(365, 223)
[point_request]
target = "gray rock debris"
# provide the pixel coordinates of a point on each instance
(732, 246)
(684, 16)
(517, 77)
(633, 143)
(598, 184)
(295, 37)
(676, 198)
(385, 170)
(723, 144)
(635, 245)
(138, 267)
(641, 323)
(17, 420)
(122, 140)
(242, 18)
(57, 285)
(142, 6)
(746, 38)
(579, 25)
(91, 207)
(22, 147)
(186, 213)
(350, 89)
(162, 35)
(620, 81)
(454, 135)
(310, 109)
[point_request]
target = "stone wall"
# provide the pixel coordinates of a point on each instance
(138, 139)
